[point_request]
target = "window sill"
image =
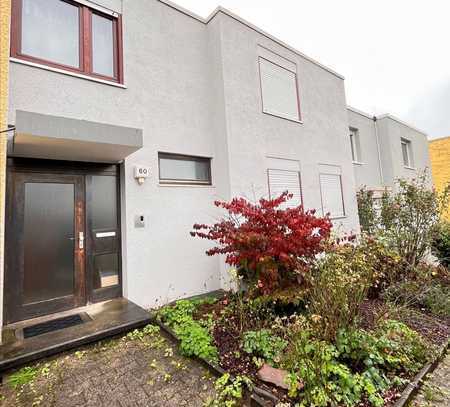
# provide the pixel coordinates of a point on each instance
(409, 168)
(339, 217)
(64, 72)
(283, 117)
(183, 185)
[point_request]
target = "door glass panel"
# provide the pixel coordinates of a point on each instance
(106, 270)
(50, 30)
(48, 241)
(104, 202)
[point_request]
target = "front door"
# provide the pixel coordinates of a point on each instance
(62, 236)
(46, 250)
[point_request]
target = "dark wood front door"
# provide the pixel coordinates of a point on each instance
(63, 246)
(46, 233)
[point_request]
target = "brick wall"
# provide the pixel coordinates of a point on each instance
(440, 164)
(5, 13)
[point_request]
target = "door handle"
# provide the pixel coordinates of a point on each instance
(81, 240)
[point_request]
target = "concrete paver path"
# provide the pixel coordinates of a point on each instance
(435, 391)
(136, 370)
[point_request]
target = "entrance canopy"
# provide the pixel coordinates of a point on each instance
(59, 138)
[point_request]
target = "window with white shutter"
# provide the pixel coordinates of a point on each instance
(279, 90)
(285, 180)
(332, 198)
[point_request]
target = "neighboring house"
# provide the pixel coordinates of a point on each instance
(5, 13)
(384, 149)
(131, 118)
(440, 164)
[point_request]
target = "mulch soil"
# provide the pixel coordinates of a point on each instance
(434, 329)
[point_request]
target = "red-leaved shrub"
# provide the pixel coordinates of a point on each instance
(270, 246)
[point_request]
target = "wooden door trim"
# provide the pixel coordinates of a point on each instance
(15, 310)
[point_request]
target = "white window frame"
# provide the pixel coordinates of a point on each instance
(332, 216)
(408, 149)
(355, 145)
(298, 117)
(297, 173)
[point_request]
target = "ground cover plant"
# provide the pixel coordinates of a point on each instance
(336, 322)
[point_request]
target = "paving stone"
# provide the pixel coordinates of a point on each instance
(435, 391)
(117, 373)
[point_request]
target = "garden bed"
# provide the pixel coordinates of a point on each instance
(321, 319)
(232, 359)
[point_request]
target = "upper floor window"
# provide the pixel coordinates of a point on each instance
(281, 180)
(279, 90)
(332, 196)
(331, 190)
(184, 169)
(68, 35)
(407, 153)
(354, 145)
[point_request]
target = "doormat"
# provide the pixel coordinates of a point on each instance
(53, 325)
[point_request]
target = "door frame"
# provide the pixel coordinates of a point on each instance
(52, 168)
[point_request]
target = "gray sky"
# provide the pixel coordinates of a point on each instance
(394, 54)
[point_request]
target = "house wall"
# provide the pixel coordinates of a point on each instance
(440, 165)
(368, 172)
(167, 95)
(390, 132)
(194, 89)
(255, 137)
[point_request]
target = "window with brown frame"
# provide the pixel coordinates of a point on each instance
(68, 35)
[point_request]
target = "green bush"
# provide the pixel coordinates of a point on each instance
(408, 216)
(441, 243)
(195, 339)
(407, 350)
(229, 391)
(338, 285)
(366, 211)
(393, 347)
(438, 300)
(264, 344)
(358, 365)
(431, 295)
(326, 380)
(388, 267)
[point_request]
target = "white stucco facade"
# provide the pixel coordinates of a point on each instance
(193, 87)
(379, 159)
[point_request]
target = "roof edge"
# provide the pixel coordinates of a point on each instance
(439, 139)
(360, 112)
(387, 116)
(183, 10)
(400, 121)
(241, 20)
